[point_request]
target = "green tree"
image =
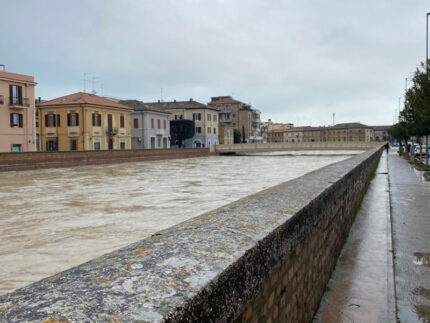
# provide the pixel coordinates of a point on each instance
(236, 136)
(181, 130)
(399, 131)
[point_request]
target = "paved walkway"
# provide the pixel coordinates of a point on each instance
(394, 215)
(361, 288)
(410, 211)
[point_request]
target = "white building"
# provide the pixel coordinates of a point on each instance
(149, 126)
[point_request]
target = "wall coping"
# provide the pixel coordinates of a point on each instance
(185, 272)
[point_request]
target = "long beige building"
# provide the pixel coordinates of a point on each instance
(17, 112)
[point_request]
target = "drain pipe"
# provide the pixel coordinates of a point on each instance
(4, 67)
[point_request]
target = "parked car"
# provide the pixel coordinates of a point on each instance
(417, 151)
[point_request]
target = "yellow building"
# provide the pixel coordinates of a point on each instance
(83, 121)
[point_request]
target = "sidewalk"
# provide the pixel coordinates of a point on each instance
(361, 288)
(410, 209)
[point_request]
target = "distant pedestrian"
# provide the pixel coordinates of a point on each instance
(387, 146)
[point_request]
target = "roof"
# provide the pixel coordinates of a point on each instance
(83, 98)
(381, 128)
(176, 105)
(140, 106)
(17, 77)
(223, 100)
(297, 129)
(349, 125)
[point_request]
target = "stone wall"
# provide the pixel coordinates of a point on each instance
(33, 160)
(265, 257)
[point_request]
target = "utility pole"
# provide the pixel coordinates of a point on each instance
(427, 73)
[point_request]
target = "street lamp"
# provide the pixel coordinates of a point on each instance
(427, 72)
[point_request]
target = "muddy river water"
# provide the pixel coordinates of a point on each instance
(53, 219)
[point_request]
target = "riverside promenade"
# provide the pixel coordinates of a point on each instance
(383, 272)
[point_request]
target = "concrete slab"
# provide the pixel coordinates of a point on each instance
(361, 288)
(410, 209)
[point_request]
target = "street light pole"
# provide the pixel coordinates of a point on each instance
(427, 72)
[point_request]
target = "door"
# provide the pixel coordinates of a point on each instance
(110, 144)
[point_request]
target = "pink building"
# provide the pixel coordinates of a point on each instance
(17, 113)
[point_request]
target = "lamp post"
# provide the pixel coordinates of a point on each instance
(427, 72)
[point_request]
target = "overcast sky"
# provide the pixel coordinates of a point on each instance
(296, 61)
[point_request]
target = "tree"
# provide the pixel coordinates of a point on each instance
(399, 131)
(236, 136)
(243, 134)
(181, 130)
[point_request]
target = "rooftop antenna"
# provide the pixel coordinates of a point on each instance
(85, 81)
(101, 89)
(4, 67)
(333, 117)
(161, 94)
(92, 82)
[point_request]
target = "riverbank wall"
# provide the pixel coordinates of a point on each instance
(264, 257)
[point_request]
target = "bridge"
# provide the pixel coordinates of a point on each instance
(290, 146)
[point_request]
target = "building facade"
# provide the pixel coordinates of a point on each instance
(238, 115)
(150, 127)
(205, 119)
(349, 132)
(83, 121)
(381, 133)
(226, 134)
(17, 113)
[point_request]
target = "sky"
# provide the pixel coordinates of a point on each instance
(295, 61)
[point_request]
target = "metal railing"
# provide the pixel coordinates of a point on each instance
(19, 102)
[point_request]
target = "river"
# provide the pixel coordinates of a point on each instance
(53, 219)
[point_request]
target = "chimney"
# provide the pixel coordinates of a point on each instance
(158, 101)
(174, 100)
(191, 100)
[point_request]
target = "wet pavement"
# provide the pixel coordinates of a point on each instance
(410, 207)
(361, 288)
(53, 219)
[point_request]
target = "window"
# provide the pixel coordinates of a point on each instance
(198, 129)
(152, 123)
(135, 123)
(16, 120)
(58, 120)
(1, 99)
(214, 131)
(164, 124)
(121, 121)
(159, 142)
(158, 124)
(209, 117)
(50, 120)
(178, 117)
(96, 146)
(97, 120)
(209, 129)
(73, 144)
(73, 119)
(197, 116)
(51, 145)
(16, 148)
(215, 117)
(15, 95)
(122, 145)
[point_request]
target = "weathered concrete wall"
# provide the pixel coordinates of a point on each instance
(260, 147)
(267, 256)
(33, 160)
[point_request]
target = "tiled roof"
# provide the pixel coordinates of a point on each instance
(83, 98)
(297, 129)
(381, 128)
(223, 100)
(176, 105)
(140, 106)
(349, 125)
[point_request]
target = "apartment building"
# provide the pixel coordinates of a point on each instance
(381, 133)
(17, 112)
(83, 121)
(274, 132)
(150, 127)
(238, 115)
(206, 120)
(294, 134)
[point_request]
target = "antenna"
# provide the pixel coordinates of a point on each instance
(101, 89)
(333, 117)
(92, 83)
(85, 81)
(161, 94)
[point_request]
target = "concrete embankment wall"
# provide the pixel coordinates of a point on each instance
(262, 147)
(34, 160)
(265, 257)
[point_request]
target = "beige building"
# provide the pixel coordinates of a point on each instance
(83, 121)
(274, 132)
(349, 132)
(238, 115)
(205, 119)
(381, 133)
(17, 113)
(294, 134)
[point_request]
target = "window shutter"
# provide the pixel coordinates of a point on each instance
(19, 94)
(68, 119)
(100, 119)
(20, 121)
(10, 97)
(46, 121)
(58, 120)
(11, 119)
(94, 119)
(77, 119)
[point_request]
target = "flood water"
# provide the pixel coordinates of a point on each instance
(53, 219)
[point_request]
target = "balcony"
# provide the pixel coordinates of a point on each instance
(19, 103)
(111, 132)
